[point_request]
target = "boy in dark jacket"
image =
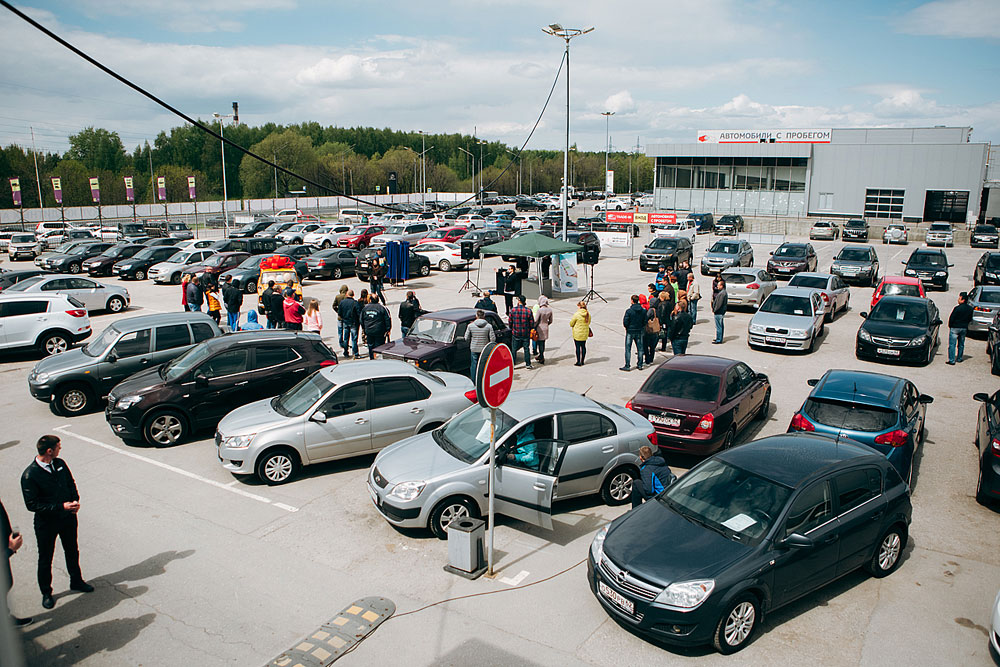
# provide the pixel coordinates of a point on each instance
(654, 476)
(376, 323)
(349, 313)
(634, 322)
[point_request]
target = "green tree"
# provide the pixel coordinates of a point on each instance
(96, 148)
(288, 149)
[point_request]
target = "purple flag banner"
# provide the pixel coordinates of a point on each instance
(15, 191)
(57, 189)
(161, 188)
(129, 190)
(191, 187)
(95, 190)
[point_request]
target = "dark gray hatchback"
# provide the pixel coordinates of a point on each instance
(73, 382)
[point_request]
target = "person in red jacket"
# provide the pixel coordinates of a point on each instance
(293, 312)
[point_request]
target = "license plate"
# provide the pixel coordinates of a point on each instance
(774, 339)
(782, 269)
(886, 351)
(619, 601)
(665, 421)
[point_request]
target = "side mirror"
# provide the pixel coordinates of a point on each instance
(925, 399)
(201, 379)
(796, 541)
(980, 396)
(762, 377)
(812, 382)
(864, 316)
(937, 322)
(319, 417)
(111, 358)
(903, 262)
(950, 265)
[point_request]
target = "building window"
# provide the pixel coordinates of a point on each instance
(946, 206)
(883, 203)
(826, 201)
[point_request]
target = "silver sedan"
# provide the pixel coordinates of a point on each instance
(747, 286)
(791, 318)
(551, 444)
(985, 302)
(92, 294)
(337, 412)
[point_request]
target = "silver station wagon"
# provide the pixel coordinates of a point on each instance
(337, 412)
(551, 444)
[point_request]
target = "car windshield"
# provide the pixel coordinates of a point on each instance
(179, 257)
(855, 223)
(663, 244)
(441, 331)
(926, 259)
(738, 278)
(113, 251)
(177, 227)
(467, 435)
(100, 345)
(249, 228)
(848, 415)
(215, 260)
(22, 238)
(688, 385)
(148, 253)
(175, 369)
(725, 247)
(904, 313)
(295, 228)
(396, 229)
(276, 227)
(901, 289)
(854, 255)
(731, 501)
(988, 296)
(940, 227)
(79, 250)
(985, 229)
(727, 219)
(784, 304)
(790, 251)
(816, 282)
(252, 262)
(993, 261)
(302, 396)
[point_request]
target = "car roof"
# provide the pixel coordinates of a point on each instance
(702, 363)
(33, 296)
(264, 336)
(143, 321)
(372, 368)
(900, 298)
(858, 386)
(793, 291)
(749, 270)
(793, 245)
(528, 403)
(812, 274)
(793, 458)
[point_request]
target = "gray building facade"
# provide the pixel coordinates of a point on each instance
(882, 174)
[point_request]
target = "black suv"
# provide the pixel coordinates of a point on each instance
(254, 246)
(418, 265)
(164, 405)
(703, 222)
(729, 224)
(791, 258)
(931, 266)
(481, 237)
(137, 267)
(984, 236)
(251, 228)
(74, 381)
(530, 205)
(855, 230)
(987, 271)
(669, 251)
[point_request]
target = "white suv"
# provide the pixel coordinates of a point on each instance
(51, 323)
(529, 221)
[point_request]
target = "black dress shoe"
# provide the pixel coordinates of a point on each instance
(81, 586)
(48, 601)
(21, 622)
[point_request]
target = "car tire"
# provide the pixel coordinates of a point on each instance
(729, 441)
(54, 342)
(337, 273)
(175, 279)
(737, 624)
(617, 486)
(444, 265)
(812, 345)
(164, 428)
(425, 270)
(447, 511)
(72, 399)
(277, 466)
(995, 363)
(327, 245)
(140, 275)
(74, 267)
(765, 407)
(250, 287)
(888, 551)
(116, 304)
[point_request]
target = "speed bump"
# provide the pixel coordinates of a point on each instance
(338, 635)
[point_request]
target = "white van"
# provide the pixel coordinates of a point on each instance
(351, 214)
(50, 323)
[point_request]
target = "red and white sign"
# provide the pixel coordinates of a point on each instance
(641, 218)
(798, 136)
(494, 375)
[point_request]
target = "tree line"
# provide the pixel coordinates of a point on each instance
(352, 161)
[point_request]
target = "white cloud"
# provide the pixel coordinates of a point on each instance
(954, 18)
(620, 102)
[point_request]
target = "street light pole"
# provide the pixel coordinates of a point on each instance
(423, 169)
(566, 34)
(607, 145)
(225, 192)
(519, 164)
(481, 171)
(473, 158)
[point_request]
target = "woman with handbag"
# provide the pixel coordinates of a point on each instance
(650, 335)
(580, 324)
(543, 318)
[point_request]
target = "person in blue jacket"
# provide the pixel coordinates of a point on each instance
(654, 476)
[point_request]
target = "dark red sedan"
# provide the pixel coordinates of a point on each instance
(698, 403)
(217, 264)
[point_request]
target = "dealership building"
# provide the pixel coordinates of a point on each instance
(883, 174)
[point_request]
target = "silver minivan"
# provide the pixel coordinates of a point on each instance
(552, 444)
(337, 412)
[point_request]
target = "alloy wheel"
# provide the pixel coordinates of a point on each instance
(888, 551)
(621, 486)
(740, 623)
(278, 467)
(166, 429)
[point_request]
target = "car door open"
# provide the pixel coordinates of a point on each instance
(526, 477)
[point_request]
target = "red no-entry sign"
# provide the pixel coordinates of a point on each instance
(494, 375)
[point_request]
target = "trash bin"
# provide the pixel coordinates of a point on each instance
(465, 544)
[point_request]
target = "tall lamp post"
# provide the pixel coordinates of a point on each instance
(518, 156)
(566, 34)
(225, 192)
(473, 164)
(607, 145)
(481, 144)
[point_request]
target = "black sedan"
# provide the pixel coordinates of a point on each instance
(331, 263)
(746, 532)
(987, 271)
(729, 224)
(137, 266)
(984, 236)
(988, 444)
(930, 265)
(72, 261)
(103, 263)
(899, 328)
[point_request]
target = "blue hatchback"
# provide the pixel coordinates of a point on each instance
(882, 411)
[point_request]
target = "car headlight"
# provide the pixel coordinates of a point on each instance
(407, 490)
(41, 378)
(918, 341)
(686, 594)
(864, 335)
(126, 402)
(597, 546)
(910, 272)
(991, 274)
(939, 273)
(238, 441)
(797, 333)
(756, 328)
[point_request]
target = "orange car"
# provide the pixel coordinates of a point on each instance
(902, 285)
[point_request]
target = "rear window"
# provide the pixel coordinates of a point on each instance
(688, 385)
(902, 290)
(738, 278)
(850, 416)
(808, 281)
(991, 296)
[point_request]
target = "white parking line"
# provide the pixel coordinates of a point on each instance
(516, 579)
(211, 482)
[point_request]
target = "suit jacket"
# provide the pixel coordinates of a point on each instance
(45, 492)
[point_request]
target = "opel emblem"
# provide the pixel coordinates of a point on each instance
(622, 574)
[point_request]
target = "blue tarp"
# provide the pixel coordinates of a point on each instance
(397, 254)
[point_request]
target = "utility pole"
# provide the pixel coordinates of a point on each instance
(607, 147)
(38, 182)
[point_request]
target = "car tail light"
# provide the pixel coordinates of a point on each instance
(706, 424)
(800, 423)
(826, 297)
(980, 309)
(895, 438)
(77, 312)
(995, 446)
(652, 439)
(327, 363)
(321, 263)
(628, 406)
(753, 286)
(471, 395)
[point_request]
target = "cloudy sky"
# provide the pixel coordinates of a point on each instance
(667, 68)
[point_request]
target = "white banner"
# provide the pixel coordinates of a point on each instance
(609, 181)
(799, 136)
(567, 280)
(614, 239)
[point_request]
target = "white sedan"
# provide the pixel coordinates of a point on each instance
(92, 294)
(445, 256)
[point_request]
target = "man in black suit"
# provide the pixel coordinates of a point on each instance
(49, 491)
(11, 542)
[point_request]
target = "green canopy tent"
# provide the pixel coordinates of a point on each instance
(533, 245)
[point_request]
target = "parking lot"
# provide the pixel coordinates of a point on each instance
(194, 566)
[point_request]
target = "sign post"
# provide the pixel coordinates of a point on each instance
(494, 379)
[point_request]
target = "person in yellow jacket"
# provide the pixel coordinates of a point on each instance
(214, 306)
(580, 323)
